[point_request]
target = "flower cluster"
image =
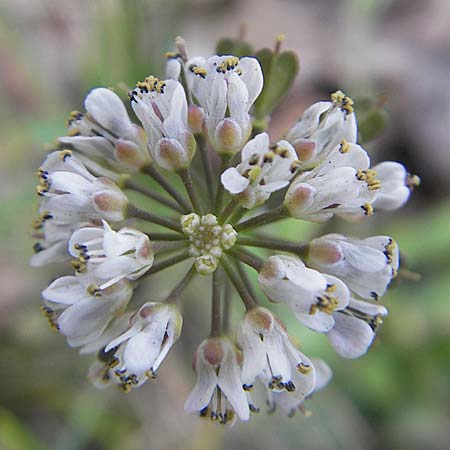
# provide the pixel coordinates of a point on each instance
(196, 132)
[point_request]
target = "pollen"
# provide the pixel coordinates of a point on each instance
(345, 146)
(344, 102)
(368, 209)
(228, 64)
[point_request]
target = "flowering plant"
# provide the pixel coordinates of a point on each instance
(205, 124)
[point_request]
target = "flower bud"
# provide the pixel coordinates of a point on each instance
(174, 155)
(131, 155)
(195, 118)
(228, 136)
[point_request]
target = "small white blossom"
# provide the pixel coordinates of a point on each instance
(367, 266)
(355, 328)
(218, 394)
(71, 194)
(161, 106)
(110, 256)
(312, 296)
(142, 348)
(52, 244)
(264, 169)
(226, 87)
(106, 132)
(322, 128)
(290, 402)
(80, 311)
(270, 355)
(341, 184)
(396, 185)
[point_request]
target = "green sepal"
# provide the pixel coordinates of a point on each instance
(279, 70)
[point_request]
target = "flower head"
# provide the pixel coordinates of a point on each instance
(100, 208)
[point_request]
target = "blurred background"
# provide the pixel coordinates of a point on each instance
(52, 52)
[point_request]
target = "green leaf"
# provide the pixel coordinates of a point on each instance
(280, 70)
(235, 47)
(372, 125)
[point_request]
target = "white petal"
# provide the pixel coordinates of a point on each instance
(108, 110)
(350, 337)
(323, 373)
(203, 390)
(233, 181)
(65, 290)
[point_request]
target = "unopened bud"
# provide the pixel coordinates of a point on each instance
(228, 136)
(298, 198)
(305, 149)
(195, 119)
(130, 155)
(325, 252)
(174, 155)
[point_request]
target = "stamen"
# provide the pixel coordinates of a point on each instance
(228, 64)
(368, 209)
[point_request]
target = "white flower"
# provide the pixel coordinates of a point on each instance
(290, 402)
(161, 106)
(270, 355)
(322, 128)
(218, 393)
(80, 311)
(106, 132)
(110, 256)
(312, 296)
(226, 87)
(396, 185)
(72, 195)
(355, 328)
(264, 169)
(367, 266)
(341, 184)
(52, 244)
(142, 348)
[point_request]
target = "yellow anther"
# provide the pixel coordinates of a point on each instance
(268, 157)
(41, 189)
(389, 250)
(63, 154)
(200, 71)
(337, 97)
(93, 289)
(412, 181)
(325, 303)
(368, 209)
(295, 165)
(74, 116)
(228, 64)
(340, 99)
(172, 55)
(331, 288)
(304, 368)
(345, 146)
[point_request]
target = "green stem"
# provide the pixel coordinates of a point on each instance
(245, 279)
(263, 219)
(186, 178)
(225, 159)
(134, 211)
(153, 172)
(130, 184)
(275, 244)
(247, 258)
(239, 285)
(175, 294)
(167, 247)
(161, 265)
(229, 209)
(207, 166)
(226, 306)
(216, 302)
(166, 237)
